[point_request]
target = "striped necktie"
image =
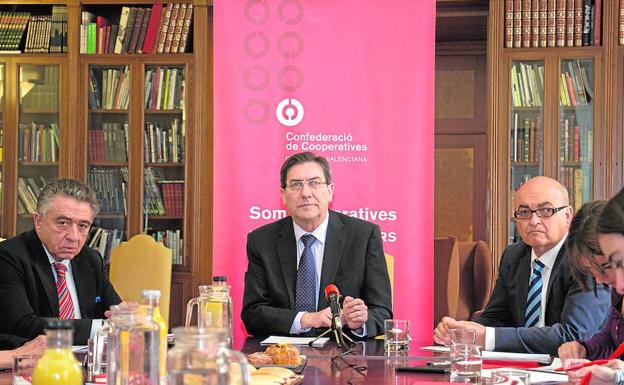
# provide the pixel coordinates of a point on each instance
(66, 305)
(534, 298)
(305, 299)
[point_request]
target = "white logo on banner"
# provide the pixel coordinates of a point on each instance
(289, 112)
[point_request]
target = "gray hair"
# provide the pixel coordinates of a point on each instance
(70, 188)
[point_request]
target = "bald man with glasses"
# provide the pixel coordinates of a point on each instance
(536, 304)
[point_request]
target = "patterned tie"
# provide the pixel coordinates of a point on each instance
(534, 298)
(66, 305)
(306, 277)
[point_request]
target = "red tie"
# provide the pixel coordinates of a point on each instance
(66, 305)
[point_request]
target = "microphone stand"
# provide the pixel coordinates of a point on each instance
(339, 337)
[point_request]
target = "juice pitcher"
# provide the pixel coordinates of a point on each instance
(214, 306)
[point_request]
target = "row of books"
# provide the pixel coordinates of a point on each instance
(152, 196)
(575, 85)
(44, 83)
(38, 142)
(164, 144)
(159, 29)
(172, 239)
(164, 88)
(173, 196)
(110, 185)
(577, 181)
(527, 84)
(109, 88)
(108, 143)
(526, 139)
(576, 141)
(46, 33)
(104, 240)
(28, 191)
(552, 23)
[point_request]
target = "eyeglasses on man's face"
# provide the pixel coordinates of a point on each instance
(297, 185)
(542, 212)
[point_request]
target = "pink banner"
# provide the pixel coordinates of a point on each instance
(352, 80)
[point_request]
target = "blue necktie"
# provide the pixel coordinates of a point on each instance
(534, 298)
(306, 277)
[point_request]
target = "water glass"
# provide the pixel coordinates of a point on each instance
(462, 336)
(510, 377)
(396, 335)
(465, 363)
(23, 367)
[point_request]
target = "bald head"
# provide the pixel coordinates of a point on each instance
(543, 233)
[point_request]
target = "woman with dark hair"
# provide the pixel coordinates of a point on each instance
(586, 258)
(610, 231)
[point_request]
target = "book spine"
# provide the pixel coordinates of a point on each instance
(535, 23)
(509, 20)
(163, 27)
(578, 23)
(569, 23)
(186, 28)
(517, 23)
(526, 23)
(620, 23)
(561, 23)
(551, 23)
(146, 18)
(597, 22)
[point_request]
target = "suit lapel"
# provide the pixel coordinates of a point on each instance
(43, 269)
(554, 273)
(287, 256)
(523, 275)
(334, 244)
(82, 273)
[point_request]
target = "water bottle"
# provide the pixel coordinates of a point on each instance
(151, 298)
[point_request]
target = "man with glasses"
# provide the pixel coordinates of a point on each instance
(292, 260)
(536, 304)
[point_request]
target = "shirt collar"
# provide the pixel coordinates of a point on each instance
(319, 233)
(53, 260)
(549, 257)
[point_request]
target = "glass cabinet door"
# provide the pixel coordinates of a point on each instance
(526, 127)
(576, 117)
(107, 147)
(164, 136)
(39, 136)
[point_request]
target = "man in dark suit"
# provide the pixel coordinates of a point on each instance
(536, 304)
(48, 272)
(292, 260)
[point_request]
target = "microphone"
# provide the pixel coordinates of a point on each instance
(333, 296)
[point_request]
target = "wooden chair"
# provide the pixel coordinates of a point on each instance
(142, 263)
(462, 278)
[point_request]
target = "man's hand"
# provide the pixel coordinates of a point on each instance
(354, 312)
(319, 319)
(441, 333)
(34, 347)
(124, 304)
(571, 350)
(601, 374)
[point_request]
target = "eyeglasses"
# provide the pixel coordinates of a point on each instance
(542, 212)
(297, 185)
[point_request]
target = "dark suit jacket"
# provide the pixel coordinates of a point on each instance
(353, 260)
(9, 342)
(571, 313)
(28, 290)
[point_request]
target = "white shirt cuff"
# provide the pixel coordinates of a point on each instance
(490, 338)
(295, 328)
(361, 332)
(96, 324)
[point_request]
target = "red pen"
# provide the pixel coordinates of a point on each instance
(618, 352)
(586, 379)
(583, 365)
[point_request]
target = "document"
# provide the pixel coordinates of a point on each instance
(535, 376)
(295, 341)
(502, 356)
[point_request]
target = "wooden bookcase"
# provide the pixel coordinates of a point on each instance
(575, 141)
(64, 78)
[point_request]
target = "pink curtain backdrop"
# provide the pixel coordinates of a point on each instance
(352, 80)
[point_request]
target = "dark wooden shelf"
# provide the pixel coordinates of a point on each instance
(164, 164)
(37, 164)
(108, 163)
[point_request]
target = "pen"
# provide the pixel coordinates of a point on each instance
(618, 352)
(421, 369)
(583, 365)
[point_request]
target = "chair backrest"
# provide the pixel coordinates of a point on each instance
(462, 278)
(142, 263)
(390, 267)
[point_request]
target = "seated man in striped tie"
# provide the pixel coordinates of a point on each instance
(292, 260)
(536, 304)
(48, 272)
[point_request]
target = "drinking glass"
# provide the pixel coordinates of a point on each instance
(510, 377)
(462, 336)
(465, 363)
(23, 367)
(396, 335)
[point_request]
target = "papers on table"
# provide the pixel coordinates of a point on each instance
(503, 356)
(295, 341)
(535, 376)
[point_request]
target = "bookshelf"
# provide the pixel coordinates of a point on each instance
(552, 112)
(135, 124)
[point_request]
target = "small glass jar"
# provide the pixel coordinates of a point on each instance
(214, 306)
